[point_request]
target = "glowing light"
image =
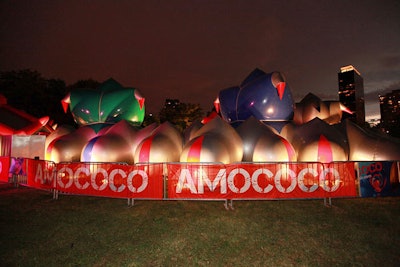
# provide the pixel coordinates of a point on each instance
(349, 68)
(345, 109)
(217, 105)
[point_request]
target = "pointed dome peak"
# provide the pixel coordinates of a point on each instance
(110, 85)
(255, 74)
(310, 97)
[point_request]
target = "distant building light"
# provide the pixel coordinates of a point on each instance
(349, 68)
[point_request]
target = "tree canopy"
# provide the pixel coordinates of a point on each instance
(180, 114)
(29, 91)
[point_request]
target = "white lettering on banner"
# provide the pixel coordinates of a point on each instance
(261, 180)
(61, 175)
(186, 180)
(289, 175)
(111, 180)
(107, 179)
(39, 174)
(103, 181)
(44, 177)
(300, 180)
(76, 178)
(231, 181)
(145, 181)
(325, 183)
(219, 178)
(254, 180)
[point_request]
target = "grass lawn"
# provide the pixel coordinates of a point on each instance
(36, 230)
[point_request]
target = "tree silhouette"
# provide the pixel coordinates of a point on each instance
(23, 90)
(29, 91)
(180, 114)
(89, 83)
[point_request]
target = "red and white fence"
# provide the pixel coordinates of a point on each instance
(206, 181)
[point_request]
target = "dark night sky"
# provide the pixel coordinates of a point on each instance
(190, 50)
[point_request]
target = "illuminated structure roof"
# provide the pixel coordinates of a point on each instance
(349, 68)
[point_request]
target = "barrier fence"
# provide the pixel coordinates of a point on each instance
(206, 181)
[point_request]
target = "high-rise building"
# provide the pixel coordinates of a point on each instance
(351, 93)
(390, 112)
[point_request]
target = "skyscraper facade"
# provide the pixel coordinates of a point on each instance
(390, 112)
(351, 93)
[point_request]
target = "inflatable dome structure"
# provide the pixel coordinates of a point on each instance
(109, 103)
(264, 96)
(108, 117)
(311, 107)
(262, 143)
(216, 141)
(256, 121)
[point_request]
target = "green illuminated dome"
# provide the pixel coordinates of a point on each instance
(109, 103)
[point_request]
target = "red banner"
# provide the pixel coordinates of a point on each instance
(191, 180)
(4, 168)
(111, 180)
(261, 181)
(41, 174)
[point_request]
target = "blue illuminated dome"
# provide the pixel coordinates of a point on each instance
(264, 96)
